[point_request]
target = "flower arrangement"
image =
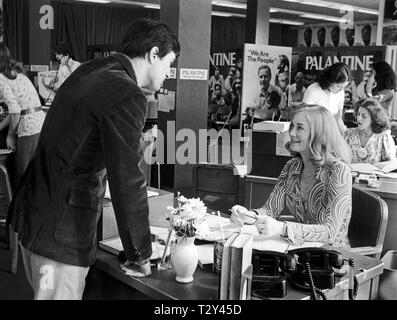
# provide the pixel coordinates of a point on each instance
(187, 217)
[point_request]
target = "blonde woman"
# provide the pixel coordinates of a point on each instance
(314, 186)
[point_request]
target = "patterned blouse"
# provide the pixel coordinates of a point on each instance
(326, 215)
(20, 94)
(380, 146)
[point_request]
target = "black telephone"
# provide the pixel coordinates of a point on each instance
(317, 263)
(309, 269)
(269, 273)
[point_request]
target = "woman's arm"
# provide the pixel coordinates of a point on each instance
(14, 111)
(339, 121)
(5, 122)
(336, 215)
(388, 154)
(12, 131)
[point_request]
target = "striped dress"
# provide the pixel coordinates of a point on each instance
(325, 216)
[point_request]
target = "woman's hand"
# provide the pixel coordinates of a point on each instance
(11, 142)
(268, 226)
(242, 215)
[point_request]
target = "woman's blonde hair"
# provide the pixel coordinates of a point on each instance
(326, 143)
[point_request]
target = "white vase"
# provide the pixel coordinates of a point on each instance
(184, 258)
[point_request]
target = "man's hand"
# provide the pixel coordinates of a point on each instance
(242, 215)
(136, 270)
(269, 226)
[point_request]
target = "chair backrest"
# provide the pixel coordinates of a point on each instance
(216, 185)
(5, 191)
(369, 219)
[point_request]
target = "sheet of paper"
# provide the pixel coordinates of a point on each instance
(278, 244)
(364, 168)
(205, 253)
(5, 151)
(216, 225)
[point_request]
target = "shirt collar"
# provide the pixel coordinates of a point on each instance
(297, 170)
(125, 62)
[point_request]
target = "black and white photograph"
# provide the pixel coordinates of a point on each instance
(197, 155)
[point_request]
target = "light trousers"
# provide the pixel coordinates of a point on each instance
(52, 280)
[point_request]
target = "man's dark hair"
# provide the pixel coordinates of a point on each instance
(384, 76)
(337, 73)
(265, 66)
(142, 35)
(64, 48)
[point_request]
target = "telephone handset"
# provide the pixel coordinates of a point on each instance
(307, 268)
(315, 268)
(269, 268)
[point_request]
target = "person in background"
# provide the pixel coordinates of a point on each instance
(89, 137)
(215, 105)
(216, 78)
(371, 142)
(264, 107)
(296, 91)
(230, 79)
(382, 84)
(362, 87)
(328, 91)
(315, 186)
(67, 65)
(25, 115)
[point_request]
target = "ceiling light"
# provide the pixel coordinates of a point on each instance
(96, 1)
(284, 21)
(227, 14)
(229, 4)
(152, 6)
(323, 17)
(334, 5)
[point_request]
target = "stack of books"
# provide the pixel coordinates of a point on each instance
(236, 267)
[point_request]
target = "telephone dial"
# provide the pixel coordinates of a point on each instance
(310, 269)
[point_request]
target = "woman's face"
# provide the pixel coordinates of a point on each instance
(61, 58)
(299, 132)
(337, 87)
(363, 119)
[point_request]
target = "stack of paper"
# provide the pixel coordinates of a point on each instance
(274, 126)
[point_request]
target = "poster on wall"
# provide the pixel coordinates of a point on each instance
(224, 88)
(311, 61)
(266, 75)
(47, 78)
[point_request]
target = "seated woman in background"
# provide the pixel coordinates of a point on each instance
(315, 186)
(328, 91)
(371, 142)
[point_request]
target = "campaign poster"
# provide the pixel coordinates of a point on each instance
(311, 61)
(46, 78)
(256, 58)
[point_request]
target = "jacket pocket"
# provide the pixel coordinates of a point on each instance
(78, 223)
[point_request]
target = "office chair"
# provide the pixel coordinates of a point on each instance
(216, 186)
(5, 200)
(368, 223)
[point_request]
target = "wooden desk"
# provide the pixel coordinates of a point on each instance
(107, 281)
(388, 192)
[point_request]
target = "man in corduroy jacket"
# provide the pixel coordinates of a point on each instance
(92, 132)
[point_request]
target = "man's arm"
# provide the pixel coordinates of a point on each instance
(121, 132)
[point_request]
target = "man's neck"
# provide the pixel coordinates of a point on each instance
(140, 66)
